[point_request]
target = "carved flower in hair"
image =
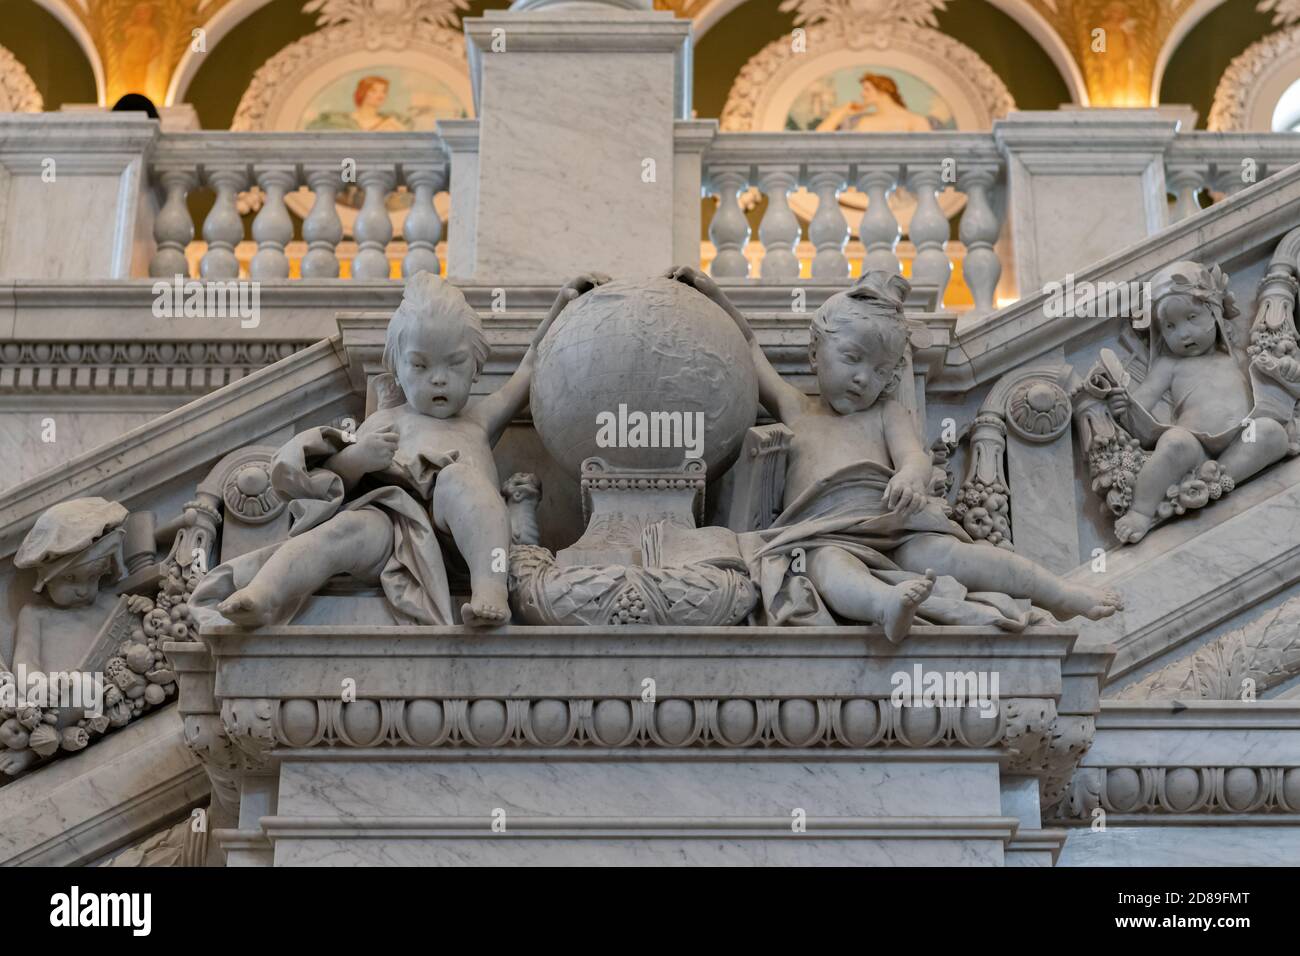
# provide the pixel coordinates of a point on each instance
(1195, 280)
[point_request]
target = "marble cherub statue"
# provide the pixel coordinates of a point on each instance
(423, 466)
(1195, 403)
(857, 500)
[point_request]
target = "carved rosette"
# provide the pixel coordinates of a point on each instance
(1182, 790)
(1038, 410)
(248, 493)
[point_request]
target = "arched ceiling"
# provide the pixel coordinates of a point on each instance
(148, 46)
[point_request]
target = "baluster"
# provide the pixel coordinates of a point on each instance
(979, 231)
(729, 229)
(779, 230)
(1185, 182)
(272, 227)
(879, 229)
(173, 228)
(423, 227)
(373, 227)
(322, 229)
(929, 230)
(223, 229)
(1228, 179)
(829, 230)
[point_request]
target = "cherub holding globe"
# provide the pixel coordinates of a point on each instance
(857, 487)
(426, 455)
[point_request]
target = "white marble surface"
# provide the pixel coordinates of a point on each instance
(1194, 572)
(567, 126)
(640, 787)
(72, 198)
(1081, 185)
(1183, 846)
(75, 432)
(81, 807)
(702, 850)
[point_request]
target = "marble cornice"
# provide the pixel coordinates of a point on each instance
(175, 443)
(608, 31)
(210, 149)
(1189, 763)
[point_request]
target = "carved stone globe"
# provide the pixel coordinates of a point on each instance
(635, 364)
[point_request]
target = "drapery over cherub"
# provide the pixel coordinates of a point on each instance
(377, 506)
(858, 505)
(1191, 419)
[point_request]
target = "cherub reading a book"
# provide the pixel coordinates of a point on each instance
(424, 468)
(857, 501)
(1195, 403)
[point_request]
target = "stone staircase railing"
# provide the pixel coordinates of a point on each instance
(312, 176)
(930, 167)
(909, 189)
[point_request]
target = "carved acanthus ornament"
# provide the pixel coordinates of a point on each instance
(1246, 661)
(18, 92)
(865, 21)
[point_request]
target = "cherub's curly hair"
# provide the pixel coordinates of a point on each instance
(428, 298)
(877, 299)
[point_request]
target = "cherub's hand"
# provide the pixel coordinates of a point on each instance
(580, 285)
(139, 604)
(374, 450)
(1118, 402)
(907, 493)
(694, 277)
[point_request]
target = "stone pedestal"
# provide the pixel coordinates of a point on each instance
(1082, 185)
(642, 745)
(577, 106)
(73, 203)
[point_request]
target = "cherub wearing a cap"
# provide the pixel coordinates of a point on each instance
(72, 546)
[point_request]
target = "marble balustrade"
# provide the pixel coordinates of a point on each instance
(280, 164)
(924, 165)
(936, 169)
(1209, 167)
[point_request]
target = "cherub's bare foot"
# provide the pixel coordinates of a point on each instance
(903, 600)
(1133, 526)
(14, 762)
(483, 614)
(1092, 603)
(489, 602)
(248, 608)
